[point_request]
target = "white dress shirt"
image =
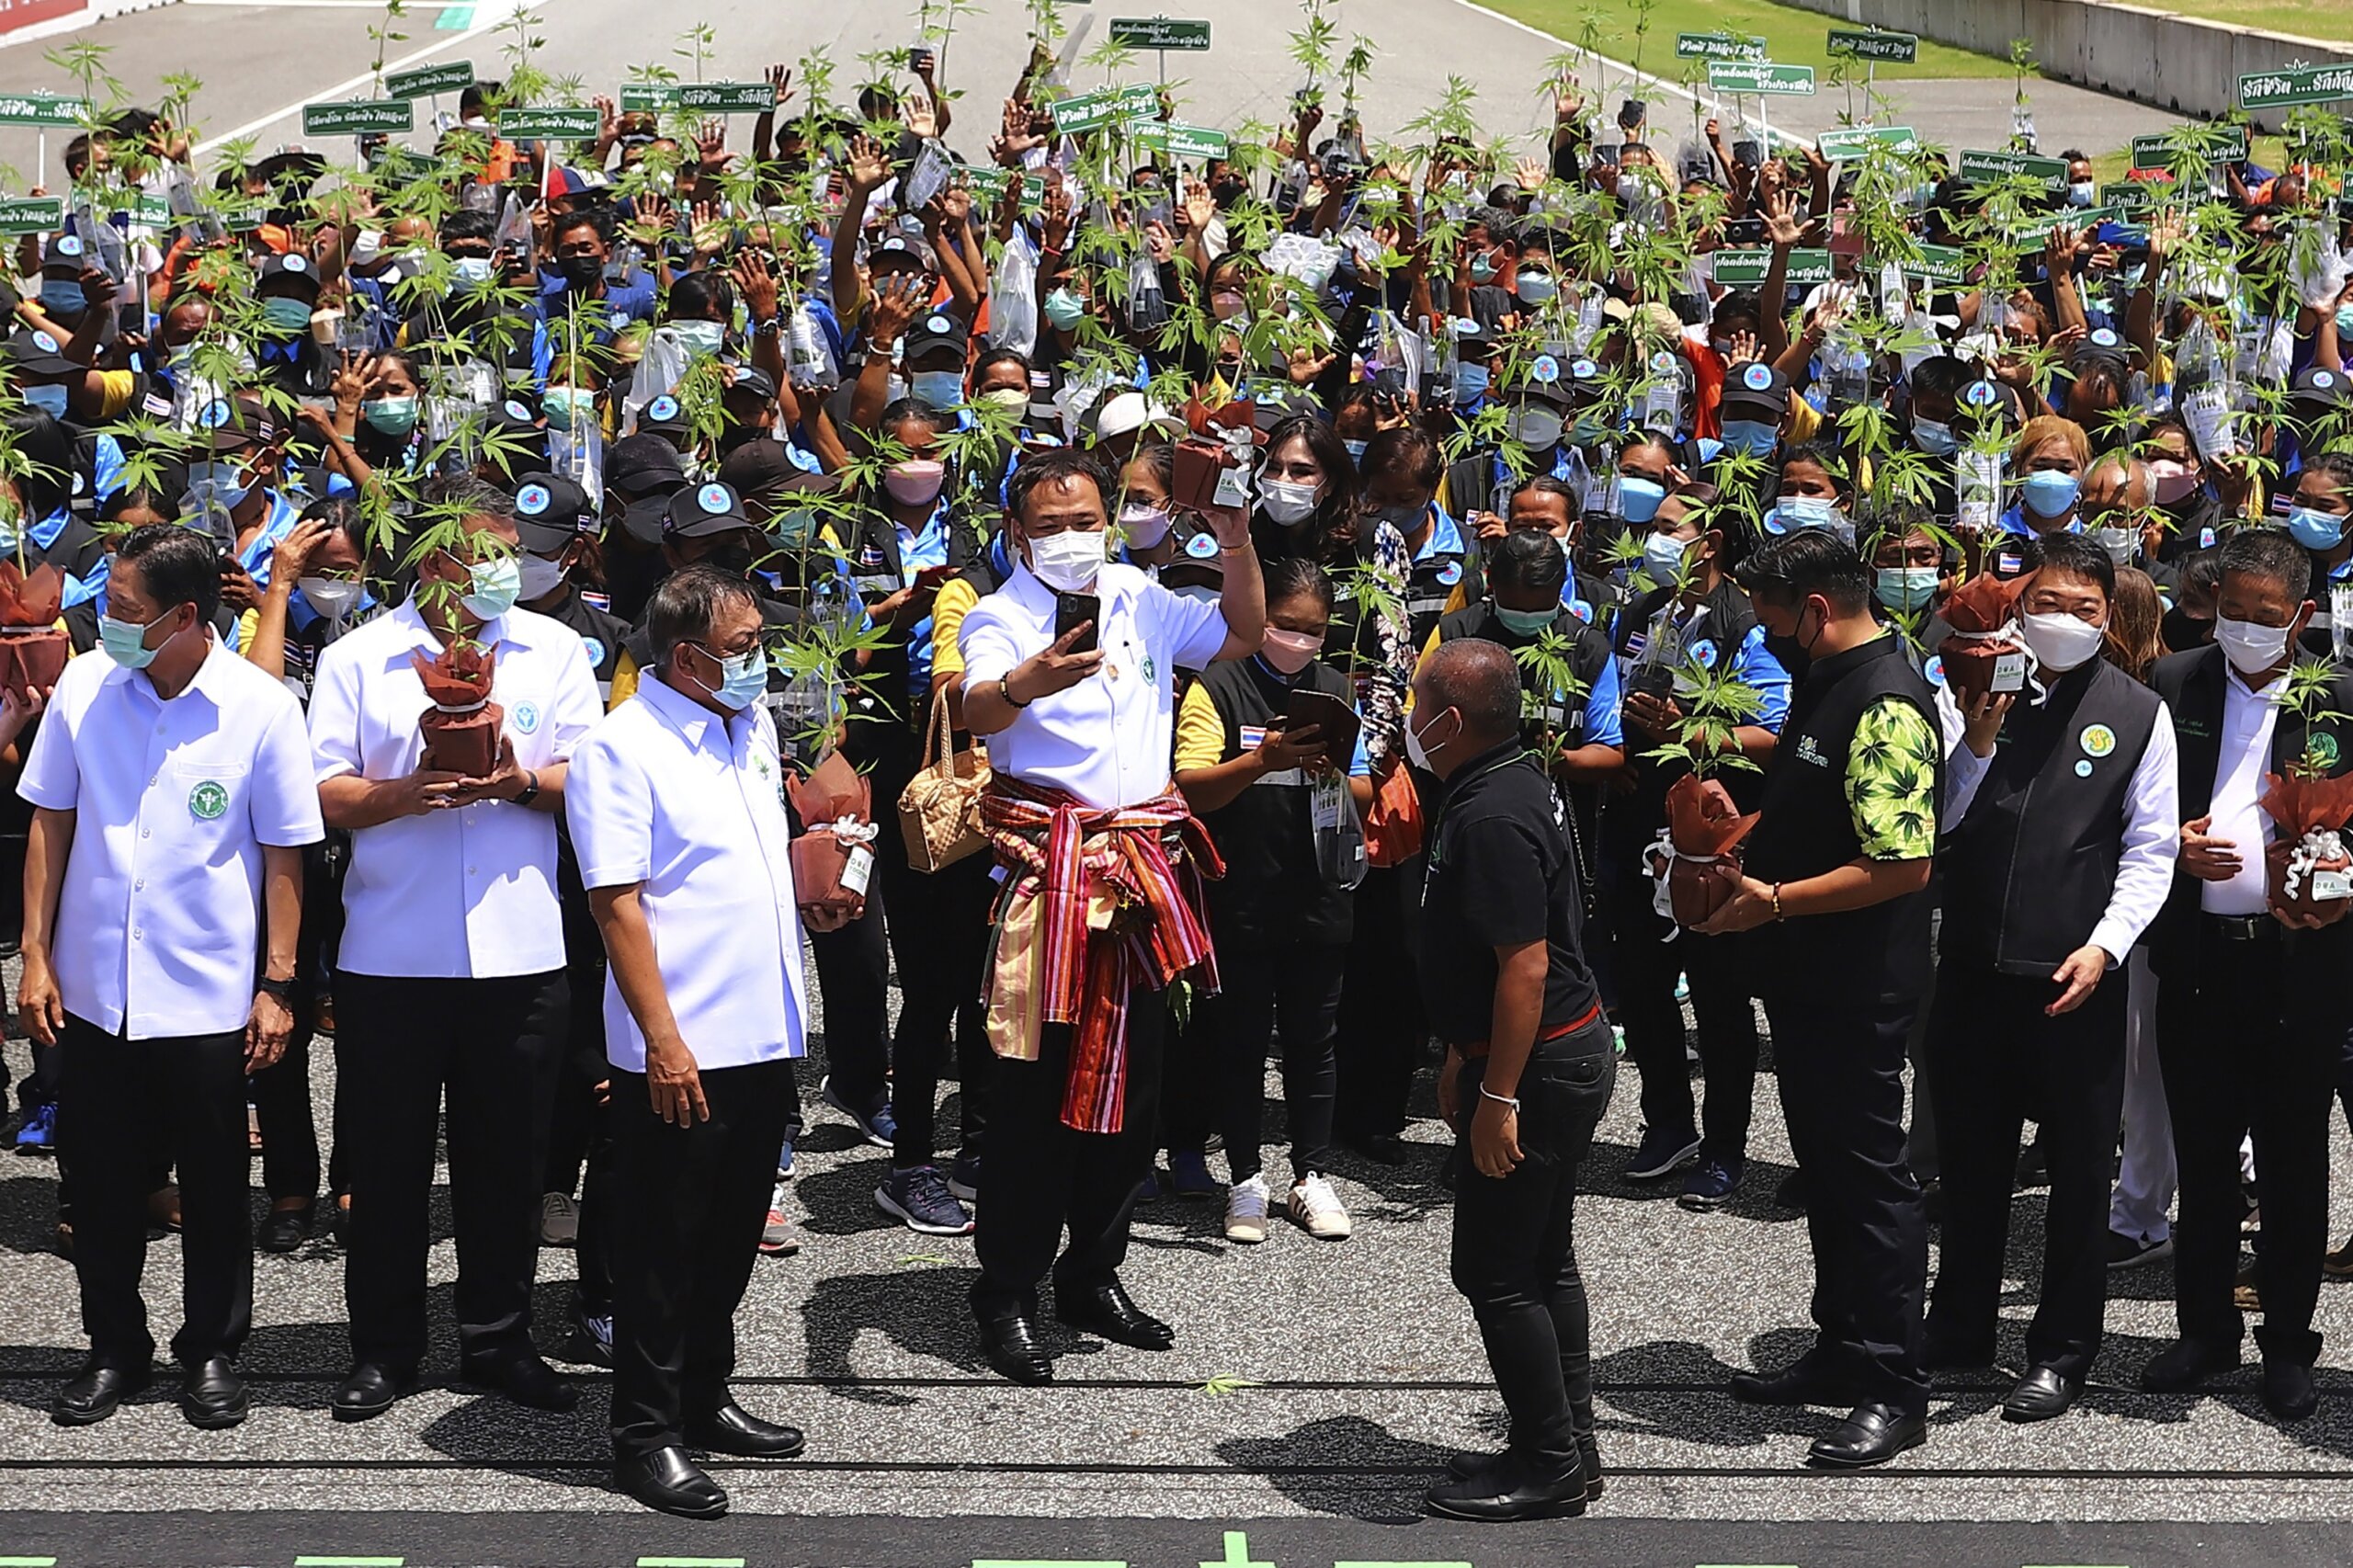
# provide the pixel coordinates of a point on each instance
(159, 922)
(467, 893)
(1106, 741)
(665, 793)
(2248, 718)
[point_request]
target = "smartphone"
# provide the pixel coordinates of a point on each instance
(1076, 609)
(1746, 232)
(919, 58)
(1334, 721)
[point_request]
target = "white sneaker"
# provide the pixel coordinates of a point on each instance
(1245, 1211)
(1317, 1209)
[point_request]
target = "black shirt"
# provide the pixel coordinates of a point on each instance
(1500, 876)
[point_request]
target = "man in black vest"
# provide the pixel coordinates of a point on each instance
(2064, 828)
(2253, 1011)
(1836, 888)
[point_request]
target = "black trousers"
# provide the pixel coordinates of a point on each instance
(1515, 1256)
(123, 1104)
(495, 1046)
(1839, 1065)
(2243, 1050)
(1383, 1033)
(281, 1093)
(1043, 1176)
(853, 986)
(1647, 965)
(939, 932)
(690, 1204)
(1274, 991)
(1992, 1052)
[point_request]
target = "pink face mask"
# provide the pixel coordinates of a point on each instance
(914, 481)
(1290, 651)
(2172, 480)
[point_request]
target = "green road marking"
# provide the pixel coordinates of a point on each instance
(27, 1563)
(1237, 1553)
(454, 19)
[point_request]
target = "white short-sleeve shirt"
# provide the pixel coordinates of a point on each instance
(665, 794)
(158, 928)
(467, 893)
(1108, 741)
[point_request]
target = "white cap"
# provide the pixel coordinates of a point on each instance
(1132, 411)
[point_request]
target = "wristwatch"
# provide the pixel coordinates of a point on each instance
(530, 788)
(281, 989)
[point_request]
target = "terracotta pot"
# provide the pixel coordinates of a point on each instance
(1973, 668)
(35, 658)
(2332, 879)
(1696, 889)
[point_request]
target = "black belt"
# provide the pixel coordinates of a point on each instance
(2241, 928)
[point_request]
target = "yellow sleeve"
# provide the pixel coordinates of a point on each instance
(1804, 420)
(624, 681)
(247, 624)
(1200, 733)
(956, 596)
(114, 393)
(1431, 646)
(1459, 599)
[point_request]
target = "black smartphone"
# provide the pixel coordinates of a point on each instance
(1334, 721)
(1079, 609)
(1746, 232)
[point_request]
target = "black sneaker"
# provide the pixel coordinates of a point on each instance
(2130, 1252)
(1710, 1183)
(1661, 1151)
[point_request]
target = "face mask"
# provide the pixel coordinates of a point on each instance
(700, 337)
(735, 558)
(2174, 481)
(1536, 287)
(568, 407)
(1751, 435)
(2251, 648)
(742, 680)
(914, 481)
(1225, 304)
(1067, 561)
(1288, 503)
(1936, 440)
(1064, 310)
(2060, 641)
(537, 578)
(1524, 622)
(582, 271)
(1470, 384)
(470, 269)
(284, 314)
(1663, 558)
(942, 389)
(334, 598)
(496, 585)
(2182, 631)
(793, 529)
(63, 297)
(392, 415)
(1144, 525)
(2119, 544)
(226, 482)
(2048, 492)
(1483, 268)
(126, 645)
(1417, 751)
(1639, 498)
(1007, 397)
(2081, 193)
(1537, 430)
(1796, 511)
(2316, 529)
(2345, 322)
(1356, 450)
(49, 400)
(1907, 588)
(1290, 651)
(1629, 188)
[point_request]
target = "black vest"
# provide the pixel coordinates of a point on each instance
(602, 632)
(1272, 889)
(2028, 871)
(1432, 582)
(1635, 819)
(1807, 828)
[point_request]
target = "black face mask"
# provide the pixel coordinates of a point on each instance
(2182, 631)
(581, 271)
(735, 558)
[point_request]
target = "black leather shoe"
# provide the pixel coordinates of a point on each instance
(1471, 1466)
(371, 1389)
(1874, 1435)
(668, 1482)
(2287, 1390)
(731, 1429)
(96, 1389)
(283, 1229)
(1106, 1313)
(2041, 1394)
(1506, 1491)
(1010, 1343)
(214, 1396)
(1803, 1382)
(526, 1380)
(2186, 1363)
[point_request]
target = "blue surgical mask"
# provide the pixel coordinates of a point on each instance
(1524, 622)
(1536, 287)
(50, 400)
(1482, 268)
(63, 297)
(2345, 322)
(1936, 440)
(126, 644)
(568, 407)
(470, 269)
(1355, 448)
(942, 389)
(497, 582)
(285, 314)
(227, 482)
(742, 680)
(700, 337)
(1907, 588)
(2048, 492)
(1638, 498)
(2082, 192)
(1751, 435)
(1470, 384)
(1792, 513)
(2316, 529)
(1063, 309)
(392, 415)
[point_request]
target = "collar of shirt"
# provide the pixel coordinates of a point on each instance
(694, 722)
(505, 630)
(210, 679)
(256, 557)
(1445, 536)
(927, 544)
(44, 532)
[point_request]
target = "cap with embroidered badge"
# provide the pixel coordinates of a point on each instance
(663, 415)
(697, 510)
(751, 379)
(638, 464)
(2328, 389)
(2102, 346)
(64, 257)
(33, 354)
(934, 332)
(549, 509)
(898, 249)
(758, 466)
(297, 272)
(1757, 386)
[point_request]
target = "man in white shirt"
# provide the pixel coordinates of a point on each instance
(2253, 1008)
(678, 814)
(2060, 831)
(451, 967)
(171, 786)
(1067, 675)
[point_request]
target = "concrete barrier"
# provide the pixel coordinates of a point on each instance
(2182, 63)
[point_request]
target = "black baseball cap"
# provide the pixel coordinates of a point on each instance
(697, 511)
(932, 332)
(642, 464)
(1757, 387)
(549, 509)
(663, 416)
(758, 466)
(297, 271)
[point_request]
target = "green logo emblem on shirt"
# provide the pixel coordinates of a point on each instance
(2322, 748)
(208, 800)
(2098, 740)
(1150, 671)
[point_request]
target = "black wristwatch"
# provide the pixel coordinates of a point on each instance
(281, 989)
(530, 788)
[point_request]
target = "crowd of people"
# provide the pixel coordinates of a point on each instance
(1278, 602)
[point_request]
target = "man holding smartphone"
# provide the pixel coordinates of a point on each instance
(1080, 744)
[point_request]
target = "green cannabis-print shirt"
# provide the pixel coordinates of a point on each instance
(1891, 781)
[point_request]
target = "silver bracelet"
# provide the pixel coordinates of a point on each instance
(1499, 1099)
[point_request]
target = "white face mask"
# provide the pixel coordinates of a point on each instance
(331, 596)
(1414, 751)
(2251, 648)
(1663, 558)
(1067, 561)
(1285, 501)
(540, 577)
(2060, 643)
